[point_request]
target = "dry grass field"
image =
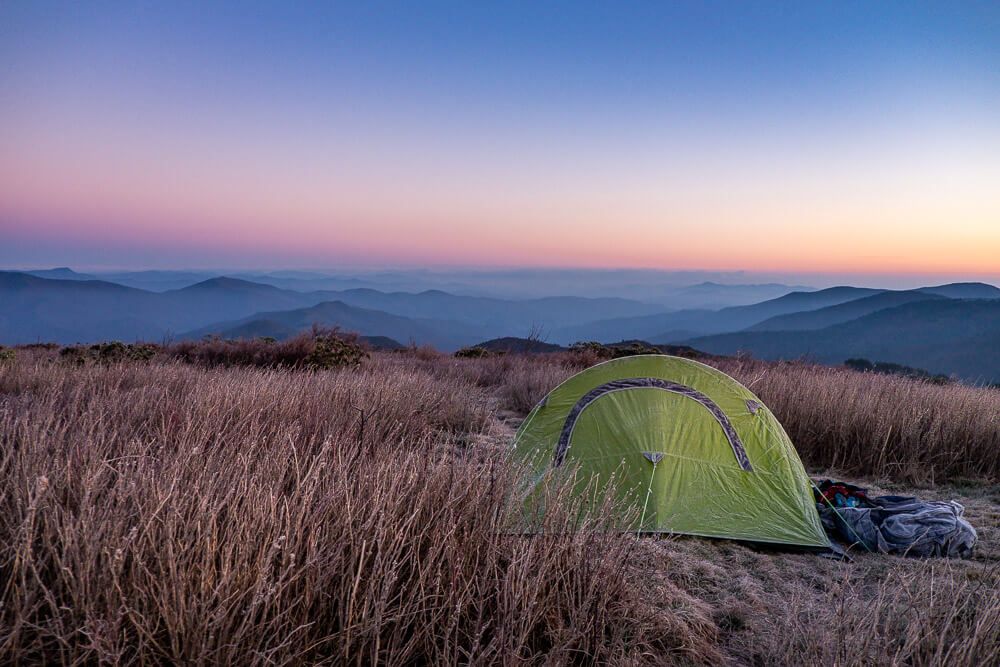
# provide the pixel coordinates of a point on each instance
(162, 512)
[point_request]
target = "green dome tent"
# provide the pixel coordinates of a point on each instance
(693, 450)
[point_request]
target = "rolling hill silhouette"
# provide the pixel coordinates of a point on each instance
(671, 326)
(68, 311)
(949, 336)
(934, 327)
(842, 312)
(447, 335)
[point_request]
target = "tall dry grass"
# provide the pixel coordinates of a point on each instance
(794, 609)
(856, 423)
(926, 616)
(881, 425)
(168, 514)
(171, 513)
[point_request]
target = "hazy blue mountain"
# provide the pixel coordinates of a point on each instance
(669, 289)
(964, 291)
(78, 310)
(227, 298)
(156, 281)
(644, 327)
(304, 281)
(843, 312)
(447, 335)
(239, 297)
(36, 309)
(712, 295)
(670, 327)
(83, 311)
(940, 335)
(61, 273)
(502, 316)
(68, 311)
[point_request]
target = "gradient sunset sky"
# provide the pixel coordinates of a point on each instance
(694, 135)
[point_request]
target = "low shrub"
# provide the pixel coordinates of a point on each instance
(47, 347)
(6, 354)
(889, 368)
(334, 351)
(74, 354)
(111, 352)
(474, 352)
(584, 354)
(318, 349)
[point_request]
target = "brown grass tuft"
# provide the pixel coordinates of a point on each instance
(167, 514)
(880, 425)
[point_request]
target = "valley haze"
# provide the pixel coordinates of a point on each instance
(950, 329)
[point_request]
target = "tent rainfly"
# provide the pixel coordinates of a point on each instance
(691, 449)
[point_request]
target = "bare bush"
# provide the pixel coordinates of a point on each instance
(475, 352)
(315, 349)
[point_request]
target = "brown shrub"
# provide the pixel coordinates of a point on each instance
(39, 346)
(316, 349)
(112, 352)
(475, 352)
(584, 351)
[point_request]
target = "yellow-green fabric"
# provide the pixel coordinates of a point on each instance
(655, 428)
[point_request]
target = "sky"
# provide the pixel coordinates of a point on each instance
(779, 138)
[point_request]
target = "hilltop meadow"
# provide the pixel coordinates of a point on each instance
(309, 501)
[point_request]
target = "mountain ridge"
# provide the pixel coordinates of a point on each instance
(949, 336)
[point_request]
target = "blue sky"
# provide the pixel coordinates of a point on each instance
(836, 137)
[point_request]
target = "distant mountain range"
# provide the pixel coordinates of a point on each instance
(446, 334)
(950, 329)
(940, 335)
(669, 326)
(668, 290)
(711, 295)
(78, 309)
(842, 312)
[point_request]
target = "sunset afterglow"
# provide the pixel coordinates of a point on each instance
(675, 138)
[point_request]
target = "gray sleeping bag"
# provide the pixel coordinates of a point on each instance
(903, 525)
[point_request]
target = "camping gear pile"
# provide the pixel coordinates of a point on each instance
(893, 524)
